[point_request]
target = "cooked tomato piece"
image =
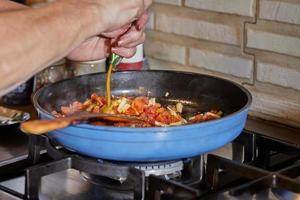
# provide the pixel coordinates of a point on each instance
(94, 97)
(210, 116)
(164, 117)
(147, 109)
(74, 107)
(197, 118)
(131, 111)
(96, 109)
(160, 110)
(139, 103)
(100, 101)
(151, 109)
(77, 106)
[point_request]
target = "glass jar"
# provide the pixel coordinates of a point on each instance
(88, 67)
(56, 72)
(19, 96)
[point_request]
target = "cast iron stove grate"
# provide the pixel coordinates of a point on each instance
(269, 168)
(46, 158)
(221, 174)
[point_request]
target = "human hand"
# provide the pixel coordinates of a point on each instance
(122, 41)
(115, 13)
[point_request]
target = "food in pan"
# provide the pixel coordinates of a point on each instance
(152, 112)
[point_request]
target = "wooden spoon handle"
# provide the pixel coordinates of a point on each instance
(39, 127)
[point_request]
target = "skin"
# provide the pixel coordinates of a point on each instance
(6, 5)
(34, 38)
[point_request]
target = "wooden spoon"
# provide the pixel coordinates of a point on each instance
(39, 127)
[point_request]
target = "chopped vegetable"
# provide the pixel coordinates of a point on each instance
(146, 108)
(152, 102)
(179, 107)
(122, 105)
(172, 110)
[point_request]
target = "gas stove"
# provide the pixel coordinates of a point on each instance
(262, 163)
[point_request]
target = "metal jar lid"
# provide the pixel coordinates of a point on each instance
(87, 67)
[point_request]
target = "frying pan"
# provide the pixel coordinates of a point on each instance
(197, 92)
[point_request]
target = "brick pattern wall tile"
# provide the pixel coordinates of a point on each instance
(240, 66)
(199, 24)
(156, 64)
(279, 74)
(204, 55)
(239, 7)
(279, 10)
(198, 29)
(275, 107)
(268, 36)
(165, 51)
(212, 37)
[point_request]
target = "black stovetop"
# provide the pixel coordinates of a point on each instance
(262, 163)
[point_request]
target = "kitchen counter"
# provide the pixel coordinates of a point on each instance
(275, 130)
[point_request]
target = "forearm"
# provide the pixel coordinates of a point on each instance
(6, 5)
(32, 38)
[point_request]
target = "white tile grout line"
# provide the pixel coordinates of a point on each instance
(244, 42)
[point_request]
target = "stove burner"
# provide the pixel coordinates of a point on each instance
(169, 169)
(172, 167)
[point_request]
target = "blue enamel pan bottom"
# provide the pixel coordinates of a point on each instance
(150, 144)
